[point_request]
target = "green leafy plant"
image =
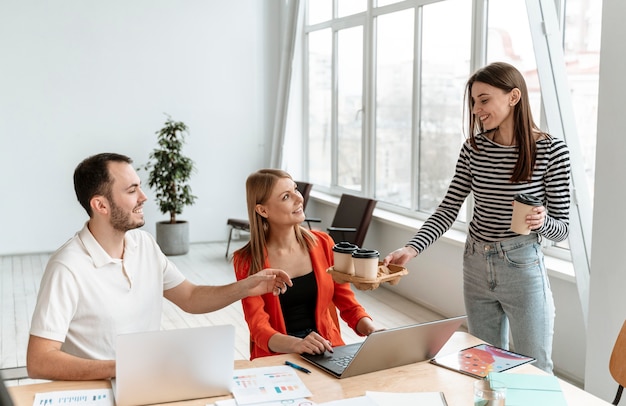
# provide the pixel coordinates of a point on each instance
(169, 170)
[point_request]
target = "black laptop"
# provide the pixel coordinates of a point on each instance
(388, 348)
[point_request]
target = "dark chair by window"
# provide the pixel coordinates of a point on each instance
(617, 363)
(352, 219)
(244, 224)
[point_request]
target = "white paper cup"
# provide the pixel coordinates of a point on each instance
(523, 205)
(342, 253)
(366, 263)
(489, 393)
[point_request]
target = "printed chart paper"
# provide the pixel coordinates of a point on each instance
(267, 384)
(89, 397)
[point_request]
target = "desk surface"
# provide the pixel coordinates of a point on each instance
(419, 377)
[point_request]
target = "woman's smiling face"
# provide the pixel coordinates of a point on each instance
(491, 106)
(284, 204)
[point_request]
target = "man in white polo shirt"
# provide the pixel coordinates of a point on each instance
(110, 279)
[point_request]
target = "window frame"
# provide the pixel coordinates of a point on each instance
(478, 58)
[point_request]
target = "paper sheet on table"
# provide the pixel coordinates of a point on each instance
(358, 401)
(292, 402)
(89, 397)
(413, 398)
(267, 384)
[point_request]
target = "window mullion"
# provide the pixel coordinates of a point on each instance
(334, 111)
(417, 84)
(369, 108)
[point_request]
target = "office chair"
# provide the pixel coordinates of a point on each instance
(244, 224)
(352, 219)
(617, 363)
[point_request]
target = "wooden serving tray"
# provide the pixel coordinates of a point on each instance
(390, 274)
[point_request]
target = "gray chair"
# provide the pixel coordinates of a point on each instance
(352, 219)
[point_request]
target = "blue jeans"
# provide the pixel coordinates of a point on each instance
(505, 284)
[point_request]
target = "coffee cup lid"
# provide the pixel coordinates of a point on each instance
(365, 253)
(527, 199)
(345, 247)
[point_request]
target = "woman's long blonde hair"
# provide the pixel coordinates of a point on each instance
(259, 186)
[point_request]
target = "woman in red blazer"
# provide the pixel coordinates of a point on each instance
(304, 318)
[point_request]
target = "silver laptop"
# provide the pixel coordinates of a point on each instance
(388, 348)
(170, 365)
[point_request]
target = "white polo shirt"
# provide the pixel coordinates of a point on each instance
(87, 298)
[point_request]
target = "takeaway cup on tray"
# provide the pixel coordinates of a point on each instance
(523, 205)
(342, 253)
(365, 263)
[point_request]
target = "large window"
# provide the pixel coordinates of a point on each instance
(320, 106)
(384, 88)
(350, 108)
(394, 106)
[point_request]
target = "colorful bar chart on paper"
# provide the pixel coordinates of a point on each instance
(266, 384)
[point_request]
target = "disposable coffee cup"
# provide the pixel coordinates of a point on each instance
(366, 263)
(489, 393)
(342, 253)
(523, 205)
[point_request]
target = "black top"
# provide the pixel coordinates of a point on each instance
(298, 305)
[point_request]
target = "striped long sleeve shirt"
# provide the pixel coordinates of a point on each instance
(486, 173)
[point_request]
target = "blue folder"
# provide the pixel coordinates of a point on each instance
(527, 389)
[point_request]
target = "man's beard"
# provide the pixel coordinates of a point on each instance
(120, 220)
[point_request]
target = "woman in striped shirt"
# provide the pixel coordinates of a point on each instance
(505, 283)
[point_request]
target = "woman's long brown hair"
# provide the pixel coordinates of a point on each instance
(506, 77)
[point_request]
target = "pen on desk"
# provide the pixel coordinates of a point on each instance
(298, 367)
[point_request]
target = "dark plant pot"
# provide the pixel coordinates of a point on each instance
(173, 238)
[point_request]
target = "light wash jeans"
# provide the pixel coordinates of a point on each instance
(505, 283)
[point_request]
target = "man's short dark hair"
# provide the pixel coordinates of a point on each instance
(91, 177)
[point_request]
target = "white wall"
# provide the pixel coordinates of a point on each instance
(607, 304)
(80, 77)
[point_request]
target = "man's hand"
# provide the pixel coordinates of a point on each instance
(269, 280)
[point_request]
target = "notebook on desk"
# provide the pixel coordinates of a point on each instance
(170, 365)
(388, 348)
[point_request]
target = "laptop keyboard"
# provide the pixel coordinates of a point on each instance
(342, 361)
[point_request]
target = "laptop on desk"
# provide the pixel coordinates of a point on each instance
(388, 348)
(171, 365)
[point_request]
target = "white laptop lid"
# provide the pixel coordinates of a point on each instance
(170, 365)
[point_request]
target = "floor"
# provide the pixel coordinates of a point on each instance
(204, 264)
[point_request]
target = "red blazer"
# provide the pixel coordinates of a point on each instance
(264, 314)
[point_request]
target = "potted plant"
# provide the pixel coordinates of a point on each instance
(168, 175)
